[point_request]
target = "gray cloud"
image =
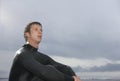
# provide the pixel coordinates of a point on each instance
(82, 29)
(107, 68)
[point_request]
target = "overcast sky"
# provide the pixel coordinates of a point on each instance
(85, 30)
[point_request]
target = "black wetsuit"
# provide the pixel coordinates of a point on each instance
(31, 65)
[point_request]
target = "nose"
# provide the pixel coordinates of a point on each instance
(40, 31)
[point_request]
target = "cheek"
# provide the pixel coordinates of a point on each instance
(33, 35)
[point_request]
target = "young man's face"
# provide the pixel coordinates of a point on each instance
(35, 34)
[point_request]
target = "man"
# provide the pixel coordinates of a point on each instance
(31, 65)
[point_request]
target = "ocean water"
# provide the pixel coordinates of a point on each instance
(101, 80)
(82, 80)
(3, 79)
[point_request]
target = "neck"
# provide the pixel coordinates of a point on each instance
(36, 45)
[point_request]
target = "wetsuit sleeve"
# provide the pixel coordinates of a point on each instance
(61, 67)
(45, 72)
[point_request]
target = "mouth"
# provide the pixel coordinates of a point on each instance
(39, 36)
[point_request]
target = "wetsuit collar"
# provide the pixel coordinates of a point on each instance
(28, 46)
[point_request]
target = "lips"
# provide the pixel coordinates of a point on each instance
(39, 36)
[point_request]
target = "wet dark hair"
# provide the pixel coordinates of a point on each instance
(28, 27)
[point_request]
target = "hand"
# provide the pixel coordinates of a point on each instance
(76, 78)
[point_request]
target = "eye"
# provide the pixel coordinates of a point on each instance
(36, 29)
(41, 30)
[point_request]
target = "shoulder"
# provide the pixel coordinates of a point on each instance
(23, 55)
(21, 51)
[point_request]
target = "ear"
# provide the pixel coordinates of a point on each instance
(27, 34)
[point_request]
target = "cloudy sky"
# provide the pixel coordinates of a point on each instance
(81, 33)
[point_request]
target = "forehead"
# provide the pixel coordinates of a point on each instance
(36, 26)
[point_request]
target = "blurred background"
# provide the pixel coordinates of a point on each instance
(84, 34)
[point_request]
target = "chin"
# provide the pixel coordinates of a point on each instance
(38, 41)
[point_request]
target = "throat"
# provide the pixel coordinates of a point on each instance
(36, 45)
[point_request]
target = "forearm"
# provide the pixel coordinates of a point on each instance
(45, 72)
(62, 67)
(66, 70)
